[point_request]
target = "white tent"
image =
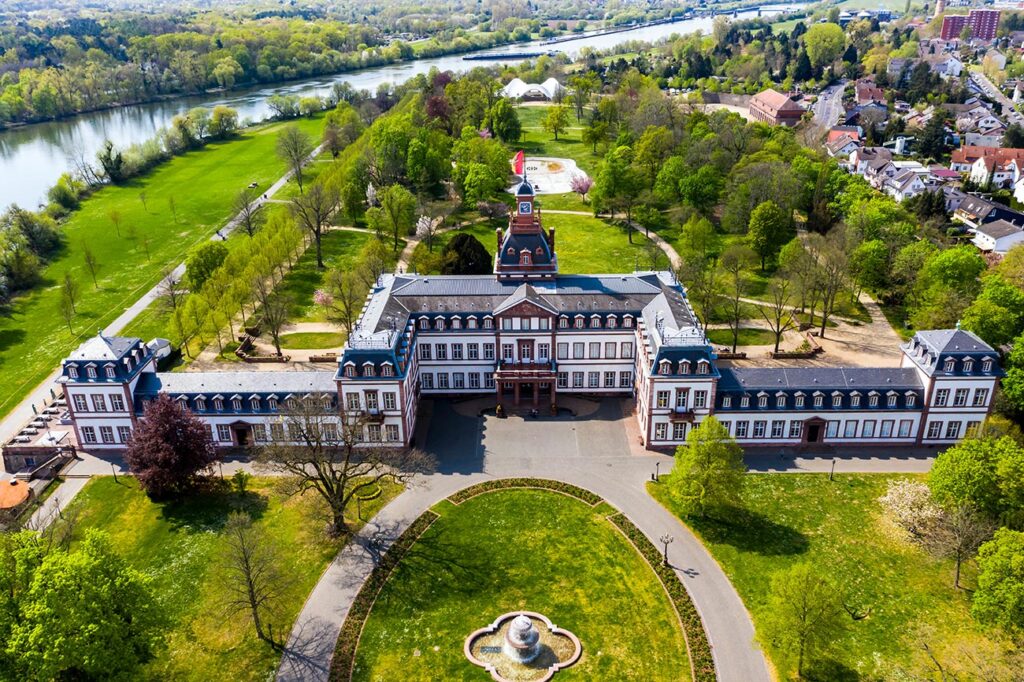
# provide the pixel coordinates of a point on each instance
(517, 89)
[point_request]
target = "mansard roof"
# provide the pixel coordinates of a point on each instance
(227, 383)
(102, 348)
(515, 243)
(958, 341)
(745, 379)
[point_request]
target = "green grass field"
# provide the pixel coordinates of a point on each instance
(33, 336)
(530, 550)
(538, 142)
(838, 526)
(747, 337)
(314, 340)
(340, 249)
(180, 546)
(589, 245)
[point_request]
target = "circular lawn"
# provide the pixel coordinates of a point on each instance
(528, 550)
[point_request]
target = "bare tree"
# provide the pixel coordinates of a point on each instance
(275, 309)
(142, 198)
(69, 290)
(67, 311)
(778, 313)
(294, 147)
(249, 210)
(170, 291)
(91, 263)
(831, 259)
(252, 574)
(174, 209)
(426, 229)
(734, 262)
(338, 457)
(83, 169)
(347, 294)
(115, 219)
(957, 534)
(312, 211)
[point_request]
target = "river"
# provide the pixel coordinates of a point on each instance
(33, 157)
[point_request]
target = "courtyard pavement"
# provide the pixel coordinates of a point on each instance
(592, 452)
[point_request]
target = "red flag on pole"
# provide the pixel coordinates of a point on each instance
(519, 163)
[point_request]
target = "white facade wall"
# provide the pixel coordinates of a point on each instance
(876, 426)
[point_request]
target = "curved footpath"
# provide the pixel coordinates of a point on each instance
(618, 479)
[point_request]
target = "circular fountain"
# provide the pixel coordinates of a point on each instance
(522, 646)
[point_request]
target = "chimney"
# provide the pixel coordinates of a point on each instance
(497, 232)
(551, 239)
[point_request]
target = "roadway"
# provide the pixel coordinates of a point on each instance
(989, 89)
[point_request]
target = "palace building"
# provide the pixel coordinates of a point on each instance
(527, 335)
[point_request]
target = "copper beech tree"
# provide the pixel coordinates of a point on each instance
(320, 450)
(170, 449)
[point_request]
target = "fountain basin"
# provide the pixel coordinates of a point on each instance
(522, 646)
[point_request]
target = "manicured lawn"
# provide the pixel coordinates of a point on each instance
(313, 340)
(180, 545)
(531, 550)
(538, 142)
(563, 202)
(309, 174)
(747, 337)
(838, 527)
(588, 245)
(340, 249)
(33, 336)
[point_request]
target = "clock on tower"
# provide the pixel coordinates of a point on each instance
(526, 207)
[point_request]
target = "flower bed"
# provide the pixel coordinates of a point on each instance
(348, 638)
(579, 493)
(702, 662)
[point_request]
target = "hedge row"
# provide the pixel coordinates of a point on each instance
(701, 660)
(348, 638)
(579, 493)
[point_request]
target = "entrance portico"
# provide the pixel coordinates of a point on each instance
(525, 382)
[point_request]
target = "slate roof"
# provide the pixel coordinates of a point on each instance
(524, 293)
(244, 383)
(536, 243)
(104, 348)
(952, 341)
(809, 379)
(998, 229)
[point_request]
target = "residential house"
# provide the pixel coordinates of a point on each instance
(974, 211)
(997, 236)
(945, 65)
(963, 159)
(954, 196)
(775, 108)
(862, 157)
(1000, 170)
(862, 113)
(866, 92)
(843, 146)
(905, 184)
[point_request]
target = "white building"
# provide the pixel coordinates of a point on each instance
(997, 236)
(549, 90)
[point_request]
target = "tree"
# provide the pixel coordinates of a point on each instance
(343, 299)
(223, 122)
(982, 473)
(778, 313)
(115, 218)
(581, 185)
(333, 459)
(931, 143)
(91, 262)
(999, 596)
(957, 534)
(734, 263)
(170, 449)
(582, 87)
(67, 311)
(252, 574)
(824, 43)
(702, 189)
(275, 309)
(805, 615)
(503, 121)
(69, 290)
(830, 259)
(398, 209)
(112, 162)
(81, 614)
(557, 120)
(294, 147)
(1014, 136)
(249, 210)
(426, 230)
(312, 212)
(869, 264)
(708, 471)
(767, 231)
(202, 261)
(465, 255)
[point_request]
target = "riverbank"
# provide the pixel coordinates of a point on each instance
(162, 215)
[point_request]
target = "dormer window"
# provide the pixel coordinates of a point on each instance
(90, 371)
(368, 370)
(911, 399)
(439, 324)
(727, 401)
(272, 403)
(109, 371)
(488, 323)
(986, 365)
(837, 400)
(627, 322)
(456, 323)
(684, 367)
(236, 404)
(890, 400)
(703, 367)
(665, 367)
(218, 404)
(326, 402)
(72, 371)
(471, 323)
(595, 321)
(950, 364)
(855, 400)
(780, 400)
(525, 258)
(579, 322)
(762, 400)
(201, 404)
(254, 403)
(292, 403)
(968, 365)
(350, 370)
(745, 401)
(387, 370)
(563, 323)
(819, 400)
(424, 323)
(873, 400)
(611, 324)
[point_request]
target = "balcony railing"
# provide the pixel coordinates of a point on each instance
(681, 414)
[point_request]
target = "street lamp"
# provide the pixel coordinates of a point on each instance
(666, 540)
(657, 472)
